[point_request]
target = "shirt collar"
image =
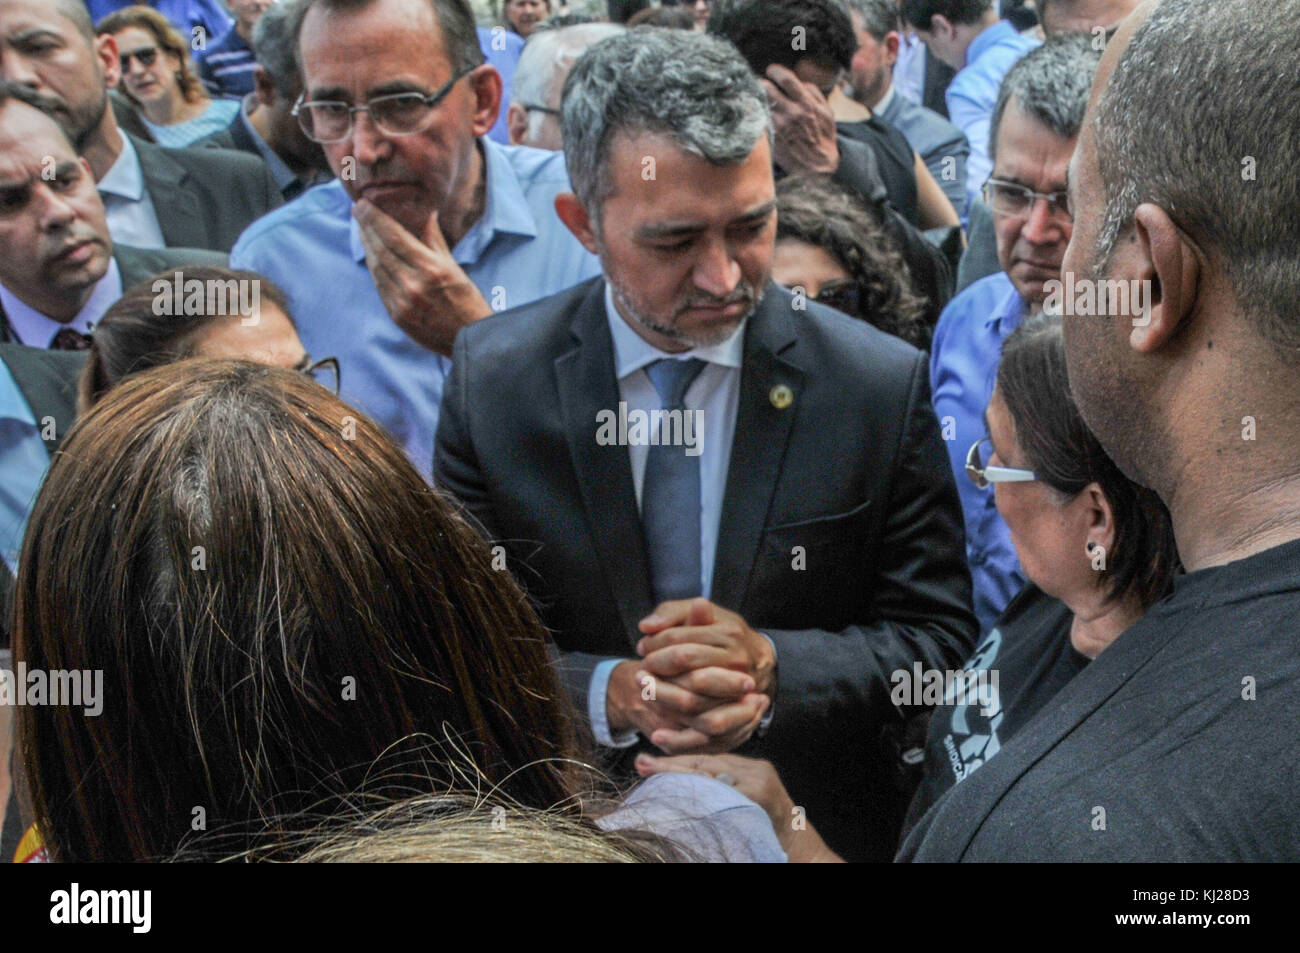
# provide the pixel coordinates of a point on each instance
(124, 177)
(885, 102)
(633, 352)
(999, 31)
(505, 210)
(37, 330)
(1008, 312)
(13, 405)
(282, 174)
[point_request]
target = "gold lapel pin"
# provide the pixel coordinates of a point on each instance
(781, 397)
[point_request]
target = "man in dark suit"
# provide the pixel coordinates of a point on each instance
(792, 538)
(60, 270)
(154, 197)
(266, 126)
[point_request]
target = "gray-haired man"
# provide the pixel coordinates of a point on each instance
(534, 114)
(791, 537)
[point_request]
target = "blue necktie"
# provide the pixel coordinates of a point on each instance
(670, 494)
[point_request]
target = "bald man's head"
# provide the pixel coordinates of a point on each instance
(1190, 115)
(1082, 16)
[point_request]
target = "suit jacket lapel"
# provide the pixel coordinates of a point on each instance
(587, 384)
(758, 449)
(179, 215)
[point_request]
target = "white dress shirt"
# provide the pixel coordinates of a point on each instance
(127, 205)
(715, 397)
(37, 330)
(909, 68)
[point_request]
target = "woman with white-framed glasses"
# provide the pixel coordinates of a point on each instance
(1097, 549)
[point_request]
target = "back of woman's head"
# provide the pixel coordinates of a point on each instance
(1061, 450)
(286, 617)
(148, 326)
(816, 211)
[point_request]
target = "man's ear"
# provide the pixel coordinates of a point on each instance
(942, 27)
(264, 88)
(1167, 265)
(891, 45)
(485, 81)
(576, 219)
(517, 123)
(108, 54)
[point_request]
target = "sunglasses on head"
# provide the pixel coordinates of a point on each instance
(147, 55)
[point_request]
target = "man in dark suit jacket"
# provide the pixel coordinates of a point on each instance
(828, 542)
(205, 198)
(155, 197)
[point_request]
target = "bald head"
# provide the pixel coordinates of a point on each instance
(1190, 116)
(1083, 16)
(75, 11)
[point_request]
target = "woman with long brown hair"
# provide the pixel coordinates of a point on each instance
(291, 626)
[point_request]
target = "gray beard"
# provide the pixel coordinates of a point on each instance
(629, 309)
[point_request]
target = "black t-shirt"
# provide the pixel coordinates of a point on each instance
(1029, 649)
(1178, 743)
(894, 158)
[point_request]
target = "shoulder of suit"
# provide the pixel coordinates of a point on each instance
(856, 340)
(137, 264)
(205, 162)
(527, 328)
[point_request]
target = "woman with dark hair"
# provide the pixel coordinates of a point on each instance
(1097, 548)
(160, 80)
(292, 626)
(215, 312)
(831, 246)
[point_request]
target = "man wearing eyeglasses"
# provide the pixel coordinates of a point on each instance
(429, 227)
(1034, 128)
(534, 114)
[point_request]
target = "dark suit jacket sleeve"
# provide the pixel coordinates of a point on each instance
(932, 277)
(921, 604)
(457, 471)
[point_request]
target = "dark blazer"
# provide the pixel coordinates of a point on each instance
(980, 259)
(932, 274)
(894, 157)
(942, 146)
(205, 198)
(138, 264)
(938, 75)
(853, 472)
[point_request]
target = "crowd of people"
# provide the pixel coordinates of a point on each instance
(736, 431)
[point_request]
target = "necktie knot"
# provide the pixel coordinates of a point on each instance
(69, 340)
(672, 378)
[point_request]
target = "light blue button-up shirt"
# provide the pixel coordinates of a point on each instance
(517, 252)
(973, 94)
(23, 462)
(963, 369)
